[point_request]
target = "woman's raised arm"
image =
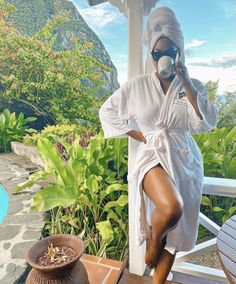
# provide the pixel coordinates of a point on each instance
(207, 109)
(114, 114)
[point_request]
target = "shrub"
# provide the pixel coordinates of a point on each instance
(87, 194)
(13, 128)
(54, 132)
(218, 149)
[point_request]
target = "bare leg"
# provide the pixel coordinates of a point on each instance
(150, 251)
(163, 267)
(169, 207)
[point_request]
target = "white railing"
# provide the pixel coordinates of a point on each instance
(184, 272)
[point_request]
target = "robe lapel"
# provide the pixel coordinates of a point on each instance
(166, 97)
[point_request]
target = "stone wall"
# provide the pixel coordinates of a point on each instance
(29, 152)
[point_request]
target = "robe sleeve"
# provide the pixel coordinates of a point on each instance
(114, 114)
(207, 109)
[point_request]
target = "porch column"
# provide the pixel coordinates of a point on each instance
(134, 11)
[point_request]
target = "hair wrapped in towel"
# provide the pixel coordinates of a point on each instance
(162, 22)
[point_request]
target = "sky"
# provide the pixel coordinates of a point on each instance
(209, 36)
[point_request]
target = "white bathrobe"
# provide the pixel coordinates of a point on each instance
(167, 122)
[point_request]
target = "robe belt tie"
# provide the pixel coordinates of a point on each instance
(159, 136)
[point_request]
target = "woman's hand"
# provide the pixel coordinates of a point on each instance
(137, 135)
(190, 90)
(182, 72)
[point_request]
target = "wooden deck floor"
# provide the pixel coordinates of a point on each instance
(130, 278)
(125, 277)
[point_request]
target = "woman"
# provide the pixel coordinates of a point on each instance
(168, 171)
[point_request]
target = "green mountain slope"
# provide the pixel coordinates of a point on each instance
(31, 15)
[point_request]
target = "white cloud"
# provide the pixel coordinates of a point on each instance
(225, 61)
(101, 15)
(227, 77)
(193, 44)
(214, 69)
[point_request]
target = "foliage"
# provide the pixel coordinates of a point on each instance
(227, 113)
(218, 149)
(86, 195)
(53, 132)
(47, 81)
(212, 88)
(226, 105)
(25, 10)
(219, 158)
(13, 128)
(6, 8)
(219, 208)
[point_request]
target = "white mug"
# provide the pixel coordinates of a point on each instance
(166, 66)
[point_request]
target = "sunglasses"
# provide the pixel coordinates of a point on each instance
(172, 52)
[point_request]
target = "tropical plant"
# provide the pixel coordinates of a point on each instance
(215, 206)
(226, 105)
(87, 194)
(13, 128)
(218, 149)
(54, 132)
(47, 81)
(227, 111)
(212, 87)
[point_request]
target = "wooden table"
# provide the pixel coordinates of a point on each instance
(226, 244)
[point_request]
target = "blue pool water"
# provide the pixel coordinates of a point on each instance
(4, 199)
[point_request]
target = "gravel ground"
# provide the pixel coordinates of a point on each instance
(209, 259)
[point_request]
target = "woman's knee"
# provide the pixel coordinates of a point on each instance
(173, 212)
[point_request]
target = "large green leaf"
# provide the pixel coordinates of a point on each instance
(118, 155)
(116, 187)
(105, 229)
(37, 176)
(12, 120)
(232, 210)
(92, 184)
(29, 119)
(218, 209)
(7, 115)
(53, 160)
(121, 201)
(231, 136)
(232, 168)
(51, 197)
(205, 201)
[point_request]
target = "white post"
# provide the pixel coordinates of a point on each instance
(134, 11)
(135, 30)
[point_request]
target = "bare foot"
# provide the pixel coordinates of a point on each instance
(152, 254)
